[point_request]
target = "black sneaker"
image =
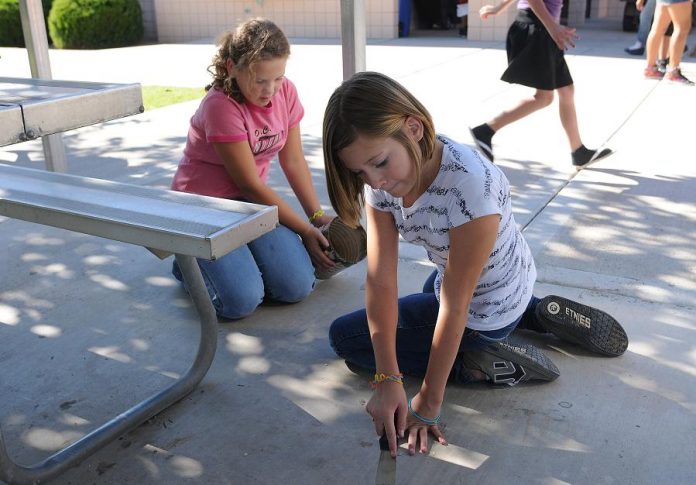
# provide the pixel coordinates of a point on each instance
(510, 363)
(483, 137)
(583, 156)
(588, 327)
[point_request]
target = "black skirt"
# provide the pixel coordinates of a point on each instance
(534, 59)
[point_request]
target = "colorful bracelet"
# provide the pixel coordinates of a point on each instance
(379, 377)
(428, 421)
(317, 213)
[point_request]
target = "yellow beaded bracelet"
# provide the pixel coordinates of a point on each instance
(317, 213)
(379, 377)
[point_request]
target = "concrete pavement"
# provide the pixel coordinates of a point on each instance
(90, 327)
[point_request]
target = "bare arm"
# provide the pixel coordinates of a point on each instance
(296, 169)
(241, 167)
(563, 36)
(488, 10)
(470, 247)
(388, 402)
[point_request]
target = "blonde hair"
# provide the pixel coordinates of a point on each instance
(253, 41)
(373, 105)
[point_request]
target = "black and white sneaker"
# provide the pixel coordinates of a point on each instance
(483, 137)
(583, 156)
(510, 363)
(583, 325)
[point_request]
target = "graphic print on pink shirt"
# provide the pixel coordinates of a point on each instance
(220, 119)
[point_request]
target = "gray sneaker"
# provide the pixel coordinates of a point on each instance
(588, 327)
(510, 363)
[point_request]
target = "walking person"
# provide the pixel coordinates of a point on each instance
(679, 13)
(535, 44)
(647, 10)
(382, 154)
(250, 115)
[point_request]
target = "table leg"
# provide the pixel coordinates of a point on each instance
(73, 454)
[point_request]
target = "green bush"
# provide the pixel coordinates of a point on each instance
(11, 34)
(95, 24)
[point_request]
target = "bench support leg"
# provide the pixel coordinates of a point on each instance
(73, 454)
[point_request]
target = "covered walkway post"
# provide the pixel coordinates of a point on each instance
(353, 36)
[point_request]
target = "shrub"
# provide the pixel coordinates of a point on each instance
(94, 24)
(11, 34)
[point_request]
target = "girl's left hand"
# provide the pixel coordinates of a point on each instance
(316, 245)
(417, 430)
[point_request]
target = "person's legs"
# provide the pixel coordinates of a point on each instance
(483, 134)
(569, 119)
(540, 99)
(680, 14)
(285, 265)
(234, 283)
(659, 26)
(645, 22)
(349, 335)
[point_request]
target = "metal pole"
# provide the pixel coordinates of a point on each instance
(73, 454)
(353, 36)
(36, 40)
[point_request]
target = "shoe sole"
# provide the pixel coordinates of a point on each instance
(601, 155)
(507, 363)
(583, 325)
(485, 149)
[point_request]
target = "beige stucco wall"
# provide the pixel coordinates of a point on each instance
(185, 20)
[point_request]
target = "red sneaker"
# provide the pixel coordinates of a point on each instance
(675, 76)
(653, 72)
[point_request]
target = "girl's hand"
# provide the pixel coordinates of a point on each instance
(640, 4)
(388, 409)
(563, 36)
(487, 10)
(316, 245)
(418, 430)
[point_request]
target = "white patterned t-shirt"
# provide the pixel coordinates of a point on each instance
(468, 187)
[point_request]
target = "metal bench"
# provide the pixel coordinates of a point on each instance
(166, 222)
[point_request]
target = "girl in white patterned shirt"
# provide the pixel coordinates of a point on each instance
(381, 152)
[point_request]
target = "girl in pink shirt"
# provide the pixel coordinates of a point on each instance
(249, 116)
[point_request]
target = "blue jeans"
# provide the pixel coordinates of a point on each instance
(275, 265)
(349, 335)
(645, 21)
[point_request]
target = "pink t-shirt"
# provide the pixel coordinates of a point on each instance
(220, 119)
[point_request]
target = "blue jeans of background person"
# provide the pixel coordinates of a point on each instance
(349, 335)
(275, 265)
(645, 21)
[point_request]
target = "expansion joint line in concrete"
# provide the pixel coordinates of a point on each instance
(572, 176)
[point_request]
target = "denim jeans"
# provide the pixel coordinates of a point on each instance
(645, 21)
(275, 265)
(349, 335)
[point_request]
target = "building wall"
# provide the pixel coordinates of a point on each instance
(185, 20)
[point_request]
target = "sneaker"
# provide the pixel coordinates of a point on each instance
(653, 73)
(675, 76)
(510, 363)
(583, 325)
(483, 137)
(583, 156)
(636, 49)
(661, 65)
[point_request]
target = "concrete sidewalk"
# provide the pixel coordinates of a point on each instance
(90, 327)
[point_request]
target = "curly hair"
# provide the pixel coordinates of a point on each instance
(253, 41)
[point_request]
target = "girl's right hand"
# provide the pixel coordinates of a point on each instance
(316, 245)
(487, 10)
(389, 410)
(563, 36)
(640, 4)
